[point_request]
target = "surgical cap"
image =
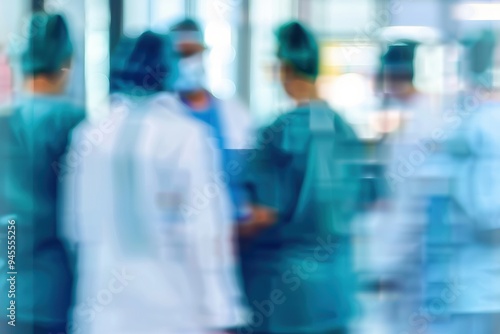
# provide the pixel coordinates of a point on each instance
(399, 59)
(298, 47)
(48, 46)
(146, 67)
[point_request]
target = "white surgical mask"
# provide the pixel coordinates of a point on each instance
(191, 75)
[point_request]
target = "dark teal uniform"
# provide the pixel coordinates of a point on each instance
(298, 274)
(34, 137)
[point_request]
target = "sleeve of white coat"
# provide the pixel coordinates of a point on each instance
(206, 212)
(69, 177)
(237, 125)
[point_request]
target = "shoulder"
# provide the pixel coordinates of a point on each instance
(167, 114)
(342, 127)
(67, 113)
(65, 106)
(167, 107)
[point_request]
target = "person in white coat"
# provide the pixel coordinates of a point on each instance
(228, 120)
(153, 228)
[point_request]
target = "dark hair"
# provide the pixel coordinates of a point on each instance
(298, 48)
(398, 62)
(142, 65)
(187, 24)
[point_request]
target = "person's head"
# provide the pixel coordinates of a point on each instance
(188, 41)
(142, 66)
(298, 53)
(397, 69)
(46, 60)
(187, 37)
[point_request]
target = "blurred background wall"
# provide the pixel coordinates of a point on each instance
(239, 34)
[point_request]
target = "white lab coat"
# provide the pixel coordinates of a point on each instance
(397, 232)
(237, 125)
(153, 228)
(395, 244)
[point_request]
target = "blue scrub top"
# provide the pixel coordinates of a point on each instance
(298, 274)
(212, 117)
(33, 139)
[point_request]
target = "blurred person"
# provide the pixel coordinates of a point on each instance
(229, 121)
(153, 229)
(400, 95)
(296, 252)
(469, 214)
(34, 134)
(398, 222)
(418, 112)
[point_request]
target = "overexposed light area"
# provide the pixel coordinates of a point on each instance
(165, 13)
(218, 33)
(96, 56)
(136, 17)
(349, 91)
(345, 17)
(430, 69)
(221, 38)
(416, 33)
(223, 89)
(477, 12)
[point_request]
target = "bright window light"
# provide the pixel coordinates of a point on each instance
(415, 33)
(477, 12)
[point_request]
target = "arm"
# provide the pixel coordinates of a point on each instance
(257, 177)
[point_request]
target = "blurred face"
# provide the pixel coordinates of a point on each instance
(286, 78)
(397, 85)
(50, 83)
(298, 87)
(191, 76)
(63, 76)
(188, 49)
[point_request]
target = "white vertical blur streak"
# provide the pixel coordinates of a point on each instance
(96, 55)
(165, 13)
(11, 14)
(218, 36)
(430, 63)
(477, 12)
(267, 97)
(11, 20)
(135, 17)
(219, 19)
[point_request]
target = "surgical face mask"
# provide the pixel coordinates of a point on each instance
(191, 76)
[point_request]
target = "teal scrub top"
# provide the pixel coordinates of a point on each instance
(34, 137)
(298, 274)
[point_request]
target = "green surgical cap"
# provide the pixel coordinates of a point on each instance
(299, 48)
(48, 44)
